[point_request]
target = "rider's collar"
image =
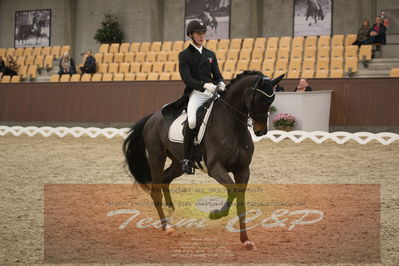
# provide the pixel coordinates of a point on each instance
(198, 49)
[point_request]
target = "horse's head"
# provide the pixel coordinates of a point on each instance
(258, 102)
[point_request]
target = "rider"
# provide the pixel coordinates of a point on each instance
(200, 72)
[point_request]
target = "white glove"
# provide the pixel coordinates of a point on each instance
(222, 86)
(210, 87)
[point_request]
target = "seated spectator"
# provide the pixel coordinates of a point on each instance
(90, 63)
(303, 86)
(363, 34)
(377, 34)
(11, 67)
(2, 67)
(279, 88)
(67, 65)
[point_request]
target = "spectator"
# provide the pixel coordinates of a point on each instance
(303, 86)
(279, 88)
(363, 34)
(2, 67)
(90, 63)
(11, 67)
(67, 65)
(377, 34)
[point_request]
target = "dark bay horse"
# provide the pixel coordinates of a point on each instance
(227, 146)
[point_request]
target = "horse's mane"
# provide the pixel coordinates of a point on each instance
(245, 74)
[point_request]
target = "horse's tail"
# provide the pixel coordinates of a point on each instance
(135, 154)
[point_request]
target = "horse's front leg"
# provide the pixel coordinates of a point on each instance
(242, 177)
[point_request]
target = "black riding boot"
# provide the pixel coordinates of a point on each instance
(188, 142)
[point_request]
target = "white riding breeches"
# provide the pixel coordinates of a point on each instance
(196, 100)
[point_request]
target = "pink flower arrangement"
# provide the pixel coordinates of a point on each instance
(284, 120)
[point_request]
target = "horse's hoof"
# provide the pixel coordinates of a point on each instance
(214, 215)
(170, 230)
(249, 245)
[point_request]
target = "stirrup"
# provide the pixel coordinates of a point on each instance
(187, 167)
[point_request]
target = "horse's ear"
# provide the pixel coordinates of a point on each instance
(277, 80)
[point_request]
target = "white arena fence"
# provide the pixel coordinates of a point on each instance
(338, 137)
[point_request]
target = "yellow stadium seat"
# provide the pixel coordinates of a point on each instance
(281, 65)
(297, 42)
(223, 44)
(10, 51)
(3, 52)
(32, 72)
(46, 51)
(15, 79)
(186, 44)
(337, 73)
(296, 54)
(242, 65)
(221, 55)
(130, 76)
(212, 45)
(119, 58)
(270, 54)
(173, 56)
(232, 54)
(272, 43)
(248, 43)
(113, 68)
(323, 63)
(257, 54)
(324, 42)
(102, 68)
(86, 77)
(37, 51)
(141, 76)
(129, 57)
(278, 73)
(56, 51)
(108, 58)
(156, 46)
(124, 68)
(39, 61)
(337, 52)
(337, 40)
(65, 78)
(27, 52)
(351, 65)
(351, 51)
(350, 39)
(283, 53)
(323, 52)
(119, 77)
(268, 67)
(97, 77)
(124, 48)
(135, 47)
(230, 66)
(177, 46)
(337, 70)
(311, 42)
(162, 56)
(321, 73)
(365, 52)
(145, 47)
(30, 60)
(108, 77)
(310, 52)
(228, 75)
(6, 79)
(260, 43)
(140, 57)
(135, 67)
(151, 57)
(245, 54)
(285, 42)
(157, 67)
(394, 73)
(65, 49)
(21, 60)
(175, 76)
(170, 67)
(295, 66)
(75, 78)
(114, 48)
(235, 44)
(153, 76)
(54, 78)
(308, 68)
(23, 71)
(293, 74)
(164, 76)
(146, 67)
(255, 65)
(98, 56)
(167, 46)
(19, 52)
(103, 48)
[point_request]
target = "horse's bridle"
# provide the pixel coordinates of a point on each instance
(253, 90)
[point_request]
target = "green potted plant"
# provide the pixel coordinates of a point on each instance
(110, 31)
(284, 121)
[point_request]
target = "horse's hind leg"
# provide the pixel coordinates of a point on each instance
(169, 175)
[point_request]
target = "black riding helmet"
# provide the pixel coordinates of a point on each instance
(195, 25)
